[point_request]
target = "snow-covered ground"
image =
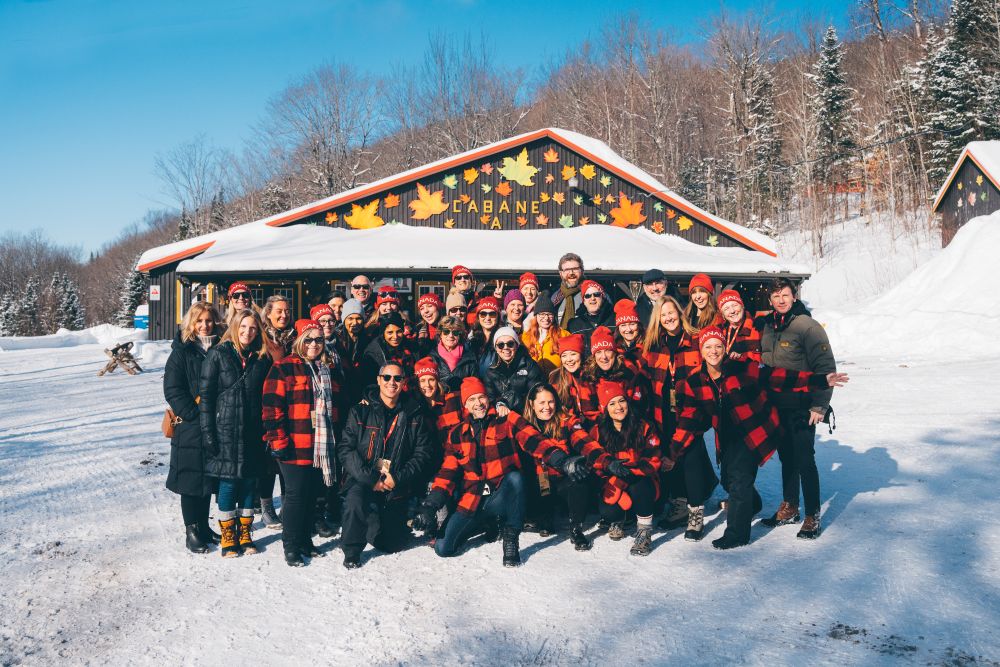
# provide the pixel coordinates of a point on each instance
(907, 569)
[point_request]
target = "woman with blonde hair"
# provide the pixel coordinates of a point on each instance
(232, 379)
(186, 476)
(542, 333)
(240, 298)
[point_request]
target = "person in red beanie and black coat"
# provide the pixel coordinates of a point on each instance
(389, 345)
(628, 333)
(240, 298)
(596, 312)
(630, 464)
(732, 397)
(742, 337)
(456, 358)
(431, 310)
(528, 285)
(464, 282)
(486, 321)
(300, 420)
(605, 363)
(483, 464)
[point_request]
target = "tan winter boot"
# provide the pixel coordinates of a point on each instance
(677, 514)
(246, 535)
(810, 527)
(787, 513)
(227, 539)
(696, 523)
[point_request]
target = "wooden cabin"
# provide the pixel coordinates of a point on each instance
(972, 188)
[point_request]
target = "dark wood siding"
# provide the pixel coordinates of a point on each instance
(163, 313)
(971, 194)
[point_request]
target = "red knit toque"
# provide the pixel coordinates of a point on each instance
(470, 387)
(708, 334)
(588, 285)
(319, 311)
(607, 390)
(386, 294)
(432, 299)
(238, 287)
(305, 324)
(488, 303)
(458, 270)
(703, 281)
(729, 295)
(425, 366)
(571, 343)
(528, 278)
(625, 312)
(601, 339)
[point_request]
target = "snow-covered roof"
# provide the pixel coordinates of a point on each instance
(403, 248)
(590, 148)
(986, 154)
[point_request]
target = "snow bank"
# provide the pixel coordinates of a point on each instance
(102, 334)
(946, 307)
(152, 353)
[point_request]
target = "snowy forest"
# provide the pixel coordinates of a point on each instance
(778, 130)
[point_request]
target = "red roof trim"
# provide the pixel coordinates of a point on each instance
(170, 259)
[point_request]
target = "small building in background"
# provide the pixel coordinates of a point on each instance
(972, 188)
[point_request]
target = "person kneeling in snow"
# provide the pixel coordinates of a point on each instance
(731, 396)
(483, 459)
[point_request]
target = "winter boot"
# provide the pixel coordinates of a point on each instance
(193, 540)
(293, 558)
(696, 523)
(578, 538)
(511, 548)
(352, 561)
(810, 527)
(310, 550)
(246, 533)
(616, 531)
(787, 513)
(267, 514)
(227, 540)
(322, 528)
(208, 536)
(677, 514)
(727, 541)
(643, 541)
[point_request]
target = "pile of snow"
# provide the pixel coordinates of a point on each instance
(939, 309)
(102, 334)
(152, 353)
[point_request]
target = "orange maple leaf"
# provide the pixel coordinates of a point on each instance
(331, 217)
(568, 172)
(391, 200)
(549, 178)
(427, 204)
(671, 214)
(627, 214)
(543, 197)
(503, 188)
(559, 198)
(550, 155)
(364, 217)
(542, 219)
(485, 218)
(609, 199)
(658, 227)
(521, 221)
(465, 198)
(584, 220)
(487, 169)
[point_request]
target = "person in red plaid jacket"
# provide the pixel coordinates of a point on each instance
(607, 363)
(483, 465)
(630, 463)
(742, 337)
(732, 397)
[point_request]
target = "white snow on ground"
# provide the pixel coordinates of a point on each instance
(102, 334)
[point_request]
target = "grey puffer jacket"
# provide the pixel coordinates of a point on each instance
(798, 342)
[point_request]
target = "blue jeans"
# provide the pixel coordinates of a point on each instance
(506, 502)
(233, 491)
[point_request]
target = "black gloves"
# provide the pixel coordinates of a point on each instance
(575, 469)
(426, 519)
(620, 470)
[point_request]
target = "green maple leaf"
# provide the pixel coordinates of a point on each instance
(519, 169)
(578, 200)
(450, 181)
(713, 240)
(487, 187)
(605, 180)
(601, 217)
(566, 220)
(658, 207)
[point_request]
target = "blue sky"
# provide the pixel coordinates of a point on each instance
(91, 91)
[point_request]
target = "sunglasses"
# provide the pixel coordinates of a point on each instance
(450, 332)
(487, 313)
(360, 286)
(391, 378)
(313, 341)
(458, 309)
(241, 296)
(464, 276)
(592, 295)
(506, 345)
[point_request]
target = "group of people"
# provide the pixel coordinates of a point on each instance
(493, 412)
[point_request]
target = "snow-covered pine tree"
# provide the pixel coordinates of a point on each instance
(71, 312)
(769, 180)
(28, 317)
(185, 227)
(217, 212)
(51, 302)
(833, 104)
(133, 291)
(8, 316)
(274, 199)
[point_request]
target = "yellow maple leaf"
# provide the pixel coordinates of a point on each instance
(559, 198)
(391, 200)
(519, 169)
(684, 223)
(609, 199)
(470, 175)
(364, 217)
(449, 223)
(542, 219)
(550, 155)
(568, 172)
(543, 197)
(627, 214)
(598, 199)
(588, 171)
(427, 204)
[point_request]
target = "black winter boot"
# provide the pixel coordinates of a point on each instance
(578, 538)
(293, 557)
(193, 540)
(208, 536)
(727, 541)
(511, 548)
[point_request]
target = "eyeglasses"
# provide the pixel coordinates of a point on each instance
(463, 276)
(450, 332)
(391, 378)
(361, 286)
(458, 309)
(326, 321)
(241, 296)
(487, 313)
(570, 269)
(313, 341)
(506, 345)
(593, 295)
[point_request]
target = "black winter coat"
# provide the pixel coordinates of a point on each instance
(509, 384)
(378, 353)
(467, 366)
(231, 416)
(181, 379)
(411, 447)
(585, 323)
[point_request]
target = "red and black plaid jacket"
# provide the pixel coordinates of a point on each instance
(658, 362)
(638, 390)
(473, 460)
(742, 392)
(447, 414)
(743, 340)
(643, 456)
(287, 410)
(574, 439)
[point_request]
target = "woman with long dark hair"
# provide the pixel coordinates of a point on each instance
(701, 310)
(566, 378)
(606, 363)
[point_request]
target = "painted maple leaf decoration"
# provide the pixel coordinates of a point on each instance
(684, 223)
(503, 188)
(542, 219)
(566, 220)
(671, 214)
(391, 200)
(519, 169)
(450, 181)
(485, 218)
(470, 175)
(487, 169)
(465, 198)
(544, 197)
(627, 213)
(568, 172)
(559, 198)
(549, 178)
(427, 204)
(713, 240)
(602, 218)
(584, 220)
(331, 217)
(658, 227)
(364, 217)
(606, 181)
(588, 171)
(521, 221)
(550, 155)
(449, 223)
(598, 199)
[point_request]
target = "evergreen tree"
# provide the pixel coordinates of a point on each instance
(8, 316)
(51, 302)
(185, 226)
(768, 181)
(833, 104)
(28, 319)
(217, 212)
(692, 182)
(133, 292)
(274, 199)
(71, 311)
